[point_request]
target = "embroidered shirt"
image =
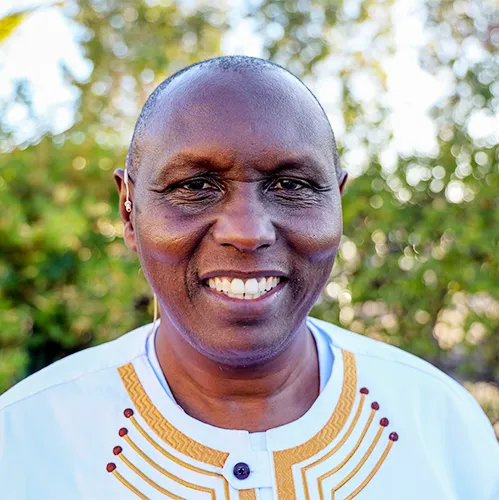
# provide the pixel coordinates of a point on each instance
(387, 425)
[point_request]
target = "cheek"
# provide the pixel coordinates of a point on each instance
(165, 239)
(167, 249)
(314, 239)
(316, 236)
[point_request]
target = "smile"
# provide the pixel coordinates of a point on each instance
(249, 289)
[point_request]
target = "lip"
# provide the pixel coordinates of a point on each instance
(244, 275)
(254, 308)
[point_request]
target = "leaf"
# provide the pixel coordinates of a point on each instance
(9, 23)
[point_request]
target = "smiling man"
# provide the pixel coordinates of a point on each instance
(232, 201)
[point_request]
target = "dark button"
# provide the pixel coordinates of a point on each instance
(241, 470)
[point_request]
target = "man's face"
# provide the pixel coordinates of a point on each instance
(236, 181)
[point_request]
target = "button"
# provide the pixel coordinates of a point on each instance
(246, 469)
(241, 470)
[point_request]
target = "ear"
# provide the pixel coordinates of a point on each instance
(126, 217)
(342, 180)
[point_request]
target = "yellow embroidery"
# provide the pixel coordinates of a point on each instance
(179, 480)
(128, 485)
(173, 458)
(331, 452)
(131, 378)
(360, 464)
(348, 457)
(285, 459)
(247, 495)
(164, 429)
(372, 473)
(147, 480)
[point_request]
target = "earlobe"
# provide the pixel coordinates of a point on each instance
(125, 190)
(128, 203)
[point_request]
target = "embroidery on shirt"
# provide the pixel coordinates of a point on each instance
(285, 460)
(247, 495)
(170, 435)
(119, 452)
(164, 429)
(124, 434)
(111, 467)
(383, 423)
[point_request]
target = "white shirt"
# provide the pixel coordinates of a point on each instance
(257, 439)
(386, 425)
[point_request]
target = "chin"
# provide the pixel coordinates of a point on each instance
(242, 345)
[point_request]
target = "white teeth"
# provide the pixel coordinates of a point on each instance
(251, 286)
(246, 290)
(218, 284)
(237, 286)
(270, 282)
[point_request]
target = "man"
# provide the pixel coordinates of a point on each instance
(231, 199)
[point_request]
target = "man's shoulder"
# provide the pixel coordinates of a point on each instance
(412, 379)
(78, 366)
(393, 360)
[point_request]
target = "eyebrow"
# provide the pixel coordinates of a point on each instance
(304, 164)
(189, 163)
(186, 164)
(299, 163)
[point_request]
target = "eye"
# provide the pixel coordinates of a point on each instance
(198, 185)
(287, 185)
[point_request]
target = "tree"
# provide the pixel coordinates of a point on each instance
(67, 282)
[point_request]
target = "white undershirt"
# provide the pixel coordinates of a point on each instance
(258, 440)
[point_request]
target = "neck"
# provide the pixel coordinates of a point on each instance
(253, 398)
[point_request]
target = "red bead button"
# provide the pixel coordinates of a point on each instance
(394, 436)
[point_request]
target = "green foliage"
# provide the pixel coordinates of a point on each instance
(419, 263)
(67, 280)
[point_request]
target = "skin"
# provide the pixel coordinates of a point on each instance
(236, 178)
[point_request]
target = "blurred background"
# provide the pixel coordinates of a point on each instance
(411, 88)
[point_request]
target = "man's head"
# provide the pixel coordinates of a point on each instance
(239, 64)
(235, 175)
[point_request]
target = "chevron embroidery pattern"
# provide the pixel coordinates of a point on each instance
(164, 429)
(285, 459)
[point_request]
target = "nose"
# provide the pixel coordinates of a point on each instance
(244, 223)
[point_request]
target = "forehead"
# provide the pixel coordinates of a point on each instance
(240, 115)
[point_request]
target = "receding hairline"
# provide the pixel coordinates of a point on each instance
(239, 64)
